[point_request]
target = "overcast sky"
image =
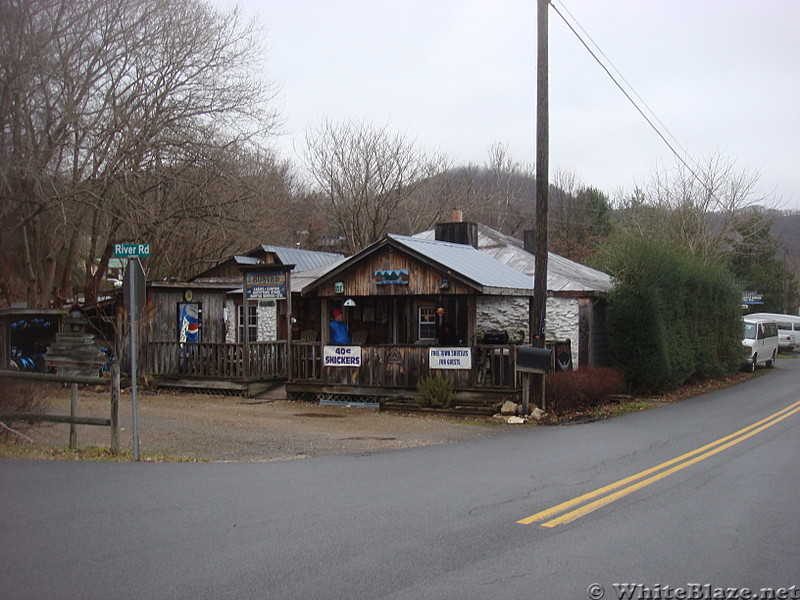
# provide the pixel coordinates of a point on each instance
(723, 76)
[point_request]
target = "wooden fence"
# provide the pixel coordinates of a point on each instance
(73, 418)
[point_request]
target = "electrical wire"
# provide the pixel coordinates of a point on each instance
(624, 91)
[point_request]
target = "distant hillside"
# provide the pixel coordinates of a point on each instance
(786, 228)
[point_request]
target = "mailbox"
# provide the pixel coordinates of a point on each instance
(533, 360)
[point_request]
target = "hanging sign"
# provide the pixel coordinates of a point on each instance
(265, 285)
(391, 277)
(341, 356)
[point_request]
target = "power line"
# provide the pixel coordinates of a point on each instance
(624, 91)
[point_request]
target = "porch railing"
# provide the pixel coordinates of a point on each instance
(217, 360)
(402, 366)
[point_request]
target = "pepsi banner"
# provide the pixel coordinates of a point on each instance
(189, 323)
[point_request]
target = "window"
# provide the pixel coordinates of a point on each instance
(252, 323)
(426, 329)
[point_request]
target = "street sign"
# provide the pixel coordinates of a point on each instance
(749, 297)
(131, 250)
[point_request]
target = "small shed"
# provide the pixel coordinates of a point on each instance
(25, 334)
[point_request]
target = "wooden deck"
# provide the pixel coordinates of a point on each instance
(218, 367)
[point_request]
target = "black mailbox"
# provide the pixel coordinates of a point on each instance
(533, 360)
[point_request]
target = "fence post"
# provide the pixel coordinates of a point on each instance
(115, 394)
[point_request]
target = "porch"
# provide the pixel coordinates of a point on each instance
(388, 374)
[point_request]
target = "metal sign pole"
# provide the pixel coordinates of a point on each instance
(134, 320)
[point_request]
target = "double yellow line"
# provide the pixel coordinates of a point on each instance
(587, 502)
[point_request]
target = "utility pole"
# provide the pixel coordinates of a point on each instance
(539, 312)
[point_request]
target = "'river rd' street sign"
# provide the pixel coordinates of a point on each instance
(130, 250)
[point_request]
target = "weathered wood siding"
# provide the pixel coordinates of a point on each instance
(359, 280)
(160, 318)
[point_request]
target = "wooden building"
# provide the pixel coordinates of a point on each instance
(391, 293)
(193, 334)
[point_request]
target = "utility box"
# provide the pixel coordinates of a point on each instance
(533, 360)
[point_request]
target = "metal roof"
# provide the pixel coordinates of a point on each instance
(304, 278)
(563, 274)
(469, 263)
(302, 259)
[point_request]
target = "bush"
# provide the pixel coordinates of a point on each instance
(671, 317)
(570, 391)
(435, 391)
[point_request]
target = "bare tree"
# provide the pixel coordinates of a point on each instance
(509, 188)
(701, 209)
(102, 102)
(367, 174)
(579, 217)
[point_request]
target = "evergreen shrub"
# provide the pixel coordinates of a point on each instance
(671, 317)
(435, 391)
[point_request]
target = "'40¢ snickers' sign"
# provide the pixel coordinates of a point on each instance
(341, 356)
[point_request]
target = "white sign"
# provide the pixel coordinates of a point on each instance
(450, 358)
(341, 356)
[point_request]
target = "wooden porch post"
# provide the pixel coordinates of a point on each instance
(289, 370)
(245, 328)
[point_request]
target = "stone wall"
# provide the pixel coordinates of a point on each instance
(503, 313)
(511, 314)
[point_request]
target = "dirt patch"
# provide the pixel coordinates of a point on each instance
(224, 428)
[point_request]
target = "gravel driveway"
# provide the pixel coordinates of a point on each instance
(225, 428)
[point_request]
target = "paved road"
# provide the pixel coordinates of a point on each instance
(434, 522)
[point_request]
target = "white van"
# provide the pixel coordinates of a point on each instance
(761, 340)
(788, 329)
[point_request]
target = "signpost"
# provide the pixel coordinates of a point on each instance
(133, 293)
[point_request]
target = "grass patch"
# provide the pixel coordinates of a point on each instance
(89, 453)
(616, 408)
